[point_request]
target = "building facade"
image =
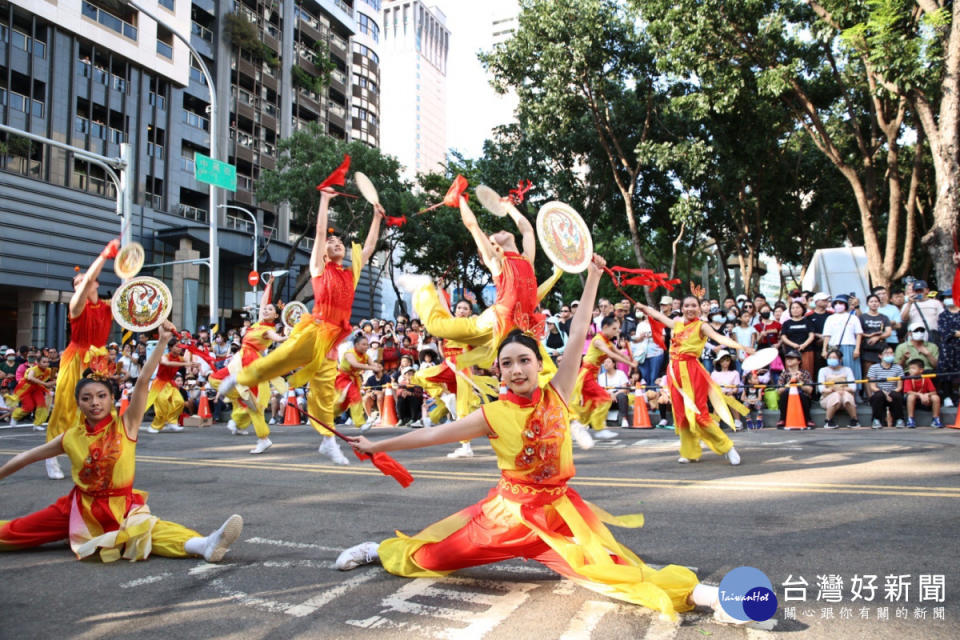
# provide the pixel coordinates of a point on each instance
(95, 74)
(414, 43)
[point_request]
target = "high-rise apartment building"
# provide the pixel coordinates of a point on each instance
(414, 45)
(95, 73)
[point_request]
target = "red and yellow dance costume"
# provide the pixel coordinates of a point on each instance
(590, 402)
(87, 349)
(515, 306)
(347, 384)
(532, 513)
(103, 511)
(440, 378)
(164, 396)
(30, 397)
(690, 388)
(312, 341)
(255, 341)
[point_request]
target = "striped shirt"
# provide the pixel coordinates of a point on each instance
(879, 371)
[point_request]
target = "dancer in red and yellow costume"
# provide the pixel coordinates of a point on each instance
(349, 380)
(103, 513)
(532, 512)
(90, 322)
(591, 402)
(164, 396)
(249, 403)
(515, 305)
(30, 394)
(691, 386)
(311, 346)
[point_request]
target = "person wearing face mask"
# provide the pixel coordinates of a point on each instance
(834, 393)
(8, 371)
(917, 347)
(949, 323)
(768, 329)
(885, 394)
(842, 331)
(712, 346)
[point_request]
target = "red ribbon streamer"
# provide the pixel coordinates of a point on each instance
(393, 221)
(516, 195)
(339, 175)
(387, 465)
(656, 327)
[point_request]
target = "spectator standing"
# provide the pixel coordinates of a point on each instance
(555, 340)
(919, 309)
(842, 331)
(818, 318)
(726, 375)
(890, 310)
(876, 330)
(949, 360)
(652, 363)
(797, 333)
(745, 334)
(885, 394)
(768, 329)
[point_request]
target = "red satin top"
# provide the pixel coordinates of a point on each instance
(333, 295)
(517, 291)
(166, 372)
(92, 327)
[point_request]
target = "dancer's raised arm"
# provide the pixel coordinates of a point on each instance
(320, 239)
(138, 398)
(370, 244)
(488, 252)
(85, 287)
(566, 377)
(526, 229)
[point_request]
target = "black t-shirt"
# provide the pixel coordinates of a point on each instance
(872, 325)
(817, 321)
(375, 382)
(797, 331)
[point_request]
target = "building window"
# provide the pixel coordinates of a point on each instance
(164, 50)
(368, 26)
(167, 4)
(109, 20)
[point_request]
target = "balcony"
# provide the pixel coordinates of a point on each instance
(192, 213)
(20, 102)
(195, 120)
(155, 150)
(239, 223)
(153, 201)
(244, 183)
(109, 20)
(164, 50)
(201, 32)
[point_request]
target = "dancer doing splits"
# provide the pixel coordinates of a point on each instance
(531, 513)
(103, 512)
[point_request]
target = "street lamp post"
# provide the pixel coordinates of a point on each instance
(214, 149)
(256, 235)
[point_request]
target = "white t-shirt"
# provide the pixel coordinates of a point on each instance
(743, 336)
(931, 310)
(616, 379)
(834, 327)
(643, 331)
(841, 373)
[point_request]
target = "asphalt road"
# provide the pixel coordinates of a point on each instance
(804, 505)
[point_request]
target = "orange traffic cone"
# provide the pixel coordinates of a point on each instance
(203, 411)
(389, 417)
(956, 423)
(124, 401)
(641, 417)
(291, 416)
(795, 419)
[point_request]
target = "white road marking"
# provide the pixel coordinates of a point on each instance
(586, 619)
(565, 588)
(505, 598)
(330, 594)
(292, 545)
(142, 581)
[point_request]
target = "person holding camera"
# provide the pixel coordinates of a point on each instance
(919, 309)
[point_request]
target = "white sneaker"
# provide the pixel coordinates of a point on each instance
(411, 282)
(624, 424)
(427, 422)
(363, 553)
(581, 435)
(732, 456)
(53, 469)
(39, 427)
(273, 421)
(683, 460)
(366, 426)
(331, 449)
(349, 422)
(13, 421)
(262, 445)
(152, 430)
(243, 432)
(416, 424)
(226, 386)
(173, 427)
(232, 427)
(604, 434)
(463, 451)
(220, 540)
(662, 423)
(948, 402)
(737, 425)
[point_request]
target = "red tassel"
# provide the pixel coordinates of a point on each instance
(339, 175)
(388, 466)
(393, 221)
(516, 195)
(656, 332)
(452, 199)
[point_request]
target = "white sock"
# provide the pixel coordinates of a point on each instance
(196, 546)
(705, 596)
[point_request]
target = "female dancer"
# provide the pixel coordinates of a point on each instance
(316, 335)
(249, 404)
(164, 395)
(349, 380)
(591, 402)
(515, 305)
(103, 511)
(30, 394)
(532, 513)
(691, 385)
(90, 324)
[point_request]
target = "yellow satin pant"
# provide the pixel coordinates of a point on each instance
(715, 438)
(322, 396)
(167, 403)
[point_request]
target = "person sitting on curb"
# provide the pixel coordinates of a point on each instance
(839, 394)
(886, 394)
(920, 390)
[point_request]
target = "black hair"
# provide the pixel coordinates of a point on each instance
(686, 297)
(607, 321)
(917, 361)
(110, 384)
(873, 295)
(523, 340)
(838, 353)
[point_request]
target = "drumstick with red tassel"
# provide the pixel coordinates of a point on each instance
(387, 465)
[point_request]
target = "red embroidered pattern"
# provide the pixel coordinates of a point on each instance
(97, 471)
(542, 436)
